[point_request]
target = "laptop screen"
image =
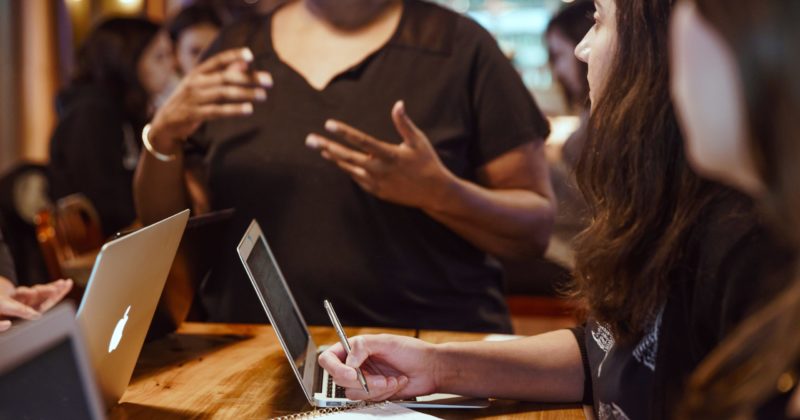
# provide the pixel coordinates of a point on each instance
(277, 298)
(48, 386)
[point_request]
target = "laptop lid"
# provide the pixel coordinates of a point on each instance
(44, 370)
(280, 306)
(121, 297)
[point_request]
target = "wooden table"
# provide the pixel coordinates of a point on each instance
(240, 371)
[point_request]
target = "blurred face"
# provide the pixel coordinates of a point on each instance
(156, 65)
(709, 101)
(348, 14)
(562, 60)
(191, 44)
(598, 47)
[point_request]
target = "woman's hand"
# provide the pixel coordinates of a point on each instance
(219, 87)
(30, 302)
(395, 367)
(409, 174)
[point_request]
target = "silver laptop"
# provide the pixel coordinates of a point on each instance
(288, 323)
(121, 297)
(44, 371)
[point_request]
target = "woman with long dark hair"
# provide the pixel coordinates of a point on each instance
(123, 64)
(665, 269)
(735, 84)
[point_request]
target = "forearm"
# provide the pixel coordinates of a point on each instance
(507, 223)
(158, 187)
(545, 367)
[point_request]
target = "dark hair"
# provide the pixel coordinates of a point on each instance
(109, 58)
(191, 16)
(574, 21)
(764, 36)
(643, 197)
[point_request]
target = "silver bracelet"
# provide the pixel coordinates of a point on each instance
(156, 154)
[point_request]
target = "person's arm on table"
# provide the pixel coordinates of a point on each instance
(509, 215)
(546, 367)
(220, 87)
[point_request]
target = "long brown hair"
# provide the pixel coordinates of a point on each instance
(764, 36)
(643, 197)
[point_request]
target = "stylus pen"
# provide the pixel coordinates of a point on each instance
(343, 339)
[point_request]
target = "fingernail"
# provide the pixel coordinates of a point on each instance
(261, 94)
(403, 380)
(247, 108)
(247, 55)
(265, 79)
(330, 125)
(312, 141)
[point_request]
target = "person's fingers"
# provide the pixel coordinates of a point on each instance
(5, 325)
(343, 375)
(380, 389)
(337, 151)
(409, 131)
(224, 59)
(363, 141)
(60, 290)
(230, 93)
(233, 76)
(213, 111)
(13, 308)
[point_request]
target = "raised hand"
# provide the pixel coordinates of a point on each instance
(410, 173)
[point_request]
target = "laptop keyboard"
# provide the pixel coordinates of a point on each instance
(334, 390)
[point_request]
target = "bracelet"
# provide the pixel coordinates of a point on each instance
(156, 154)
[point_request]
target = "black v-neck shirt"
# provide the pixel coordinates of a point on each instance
(380, 263)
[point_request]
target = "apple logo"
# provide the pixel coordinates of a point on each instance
(117, 335)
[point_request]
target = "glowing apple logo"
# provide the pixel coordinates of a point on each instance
(117, 335)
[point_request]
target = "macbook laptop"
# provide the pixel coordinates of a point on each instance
(121, 297)
(288, 323)
(44, 370)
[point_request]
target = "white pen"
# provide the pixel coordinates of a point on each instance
(343, 339)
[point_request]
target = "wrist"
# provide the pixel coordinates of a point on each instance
(443, 369)
(161, 140)
(444, 193)
(7, 288)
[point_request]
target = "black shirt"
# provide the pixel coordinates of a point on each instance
(7, 269)
(94, 151)
(732, 266)
(380, 263)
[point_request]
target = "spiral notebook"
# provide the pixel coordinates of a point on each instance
(384, 410)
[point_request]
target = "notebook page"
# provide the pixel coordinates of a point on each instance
(386, 410)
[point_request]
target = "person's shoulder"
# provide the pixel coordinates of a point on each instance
(438, 28)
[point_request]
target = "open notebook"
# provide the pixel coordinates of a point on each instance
(384, 410)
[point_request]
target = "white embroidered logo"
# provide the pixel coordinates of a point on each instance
(605, 340)
(647, 349)
(611, 412)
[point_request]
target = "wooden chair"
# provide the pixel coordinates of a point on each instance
(69, 236)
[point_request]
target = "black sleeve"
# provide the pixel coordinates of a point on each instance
(87, 152)
(756, 270)
(506, 116)
(7, 269)
(580, 336)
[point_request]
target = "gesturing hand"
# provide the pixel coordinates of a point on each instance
(410, 173)
(30, 302)
(221, 86)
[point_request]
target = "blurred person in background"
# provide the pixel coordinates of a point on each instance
(445, 168)
(192, 30)
(121, 66)
(735, 84)
(563, 34)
